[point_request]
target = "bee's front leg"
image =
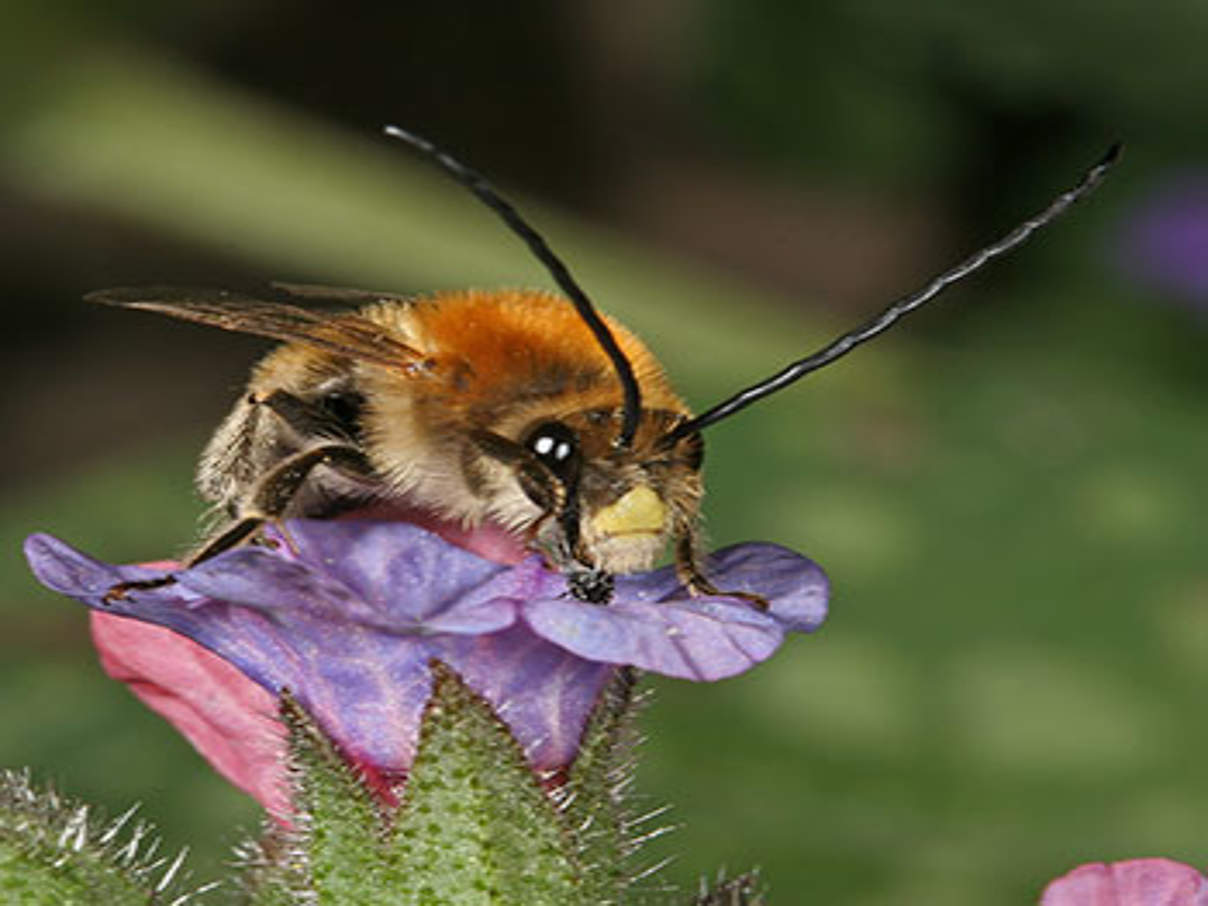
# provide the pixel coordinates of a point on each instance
(586, 583)
(688, 571)
(268, 500)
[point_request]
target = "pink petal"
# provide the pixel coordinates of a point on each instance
(489, 541)
(1136, 882)
(227, 717)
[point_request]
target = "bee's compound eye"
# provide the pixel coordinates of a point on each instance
(556, 446)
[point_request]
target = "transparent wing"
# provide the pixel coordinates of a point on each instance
(340, 295)
(342, 333)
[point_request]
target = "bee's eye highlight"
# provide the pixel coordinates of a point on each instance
(556, 446)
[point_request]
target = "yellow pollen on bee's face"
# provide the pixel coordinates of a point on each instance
(640, 510)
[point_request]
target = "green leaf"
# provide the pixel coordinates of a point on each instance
(56, 852)
(475, 826)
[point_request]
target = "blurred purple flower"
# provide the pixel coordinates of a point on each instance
(1137, 882)
(349, 615)
(1165, 243)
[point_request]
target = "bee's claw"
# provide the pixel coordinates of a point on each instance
(119, 591)
(757, 601)
(699, 586)
(279, 524)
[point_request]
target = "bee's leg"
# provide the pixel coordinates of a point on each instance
(336, 416)
(275, 491)
(585, 582)
(558, 528)
(232, 535)
(268, 501)
(688, 571)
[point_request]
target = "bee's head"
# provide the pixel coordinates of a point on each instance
(602, 506)
(612, 508)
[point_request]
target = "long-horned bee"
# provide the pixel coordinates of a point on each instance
(521, 409)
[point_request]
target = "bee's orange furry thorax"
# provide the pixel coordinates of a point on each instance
(514, 347)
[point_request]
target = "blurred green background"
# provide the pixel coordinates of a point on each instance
(1008, 493)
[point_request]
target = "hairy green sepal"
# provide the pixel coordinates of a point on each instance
(475, 826)
(58, 853)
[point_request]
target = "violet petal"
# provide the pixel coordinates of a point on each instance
(348, 616)
(686, 640)
(794, 586)
(705, 638)
(379, 560)
(541, 690)
(61, 567)
(261, 580)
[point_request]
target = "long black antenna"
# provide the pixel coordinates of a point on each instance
(844, 344)
(477, 184)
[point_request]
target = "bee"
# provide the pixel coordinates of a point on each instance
(476, 407)
(520, 409)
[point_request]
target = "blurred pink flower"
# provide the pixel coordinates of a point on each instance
(1136, 882)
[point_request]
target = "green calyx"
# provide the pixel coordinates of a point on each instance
(475, 825)
(57, 852)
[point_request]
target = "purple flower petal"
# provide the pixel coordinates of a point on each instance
(261, 580)
(706, 639)
(349, 615)
(62, 568)
(532, 684)
(796, 587)
(376, 560)
(654, 625)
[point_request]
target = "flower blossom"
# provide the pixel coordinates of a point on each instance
(1164, 243)
(349, 615)
(1136, 882)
